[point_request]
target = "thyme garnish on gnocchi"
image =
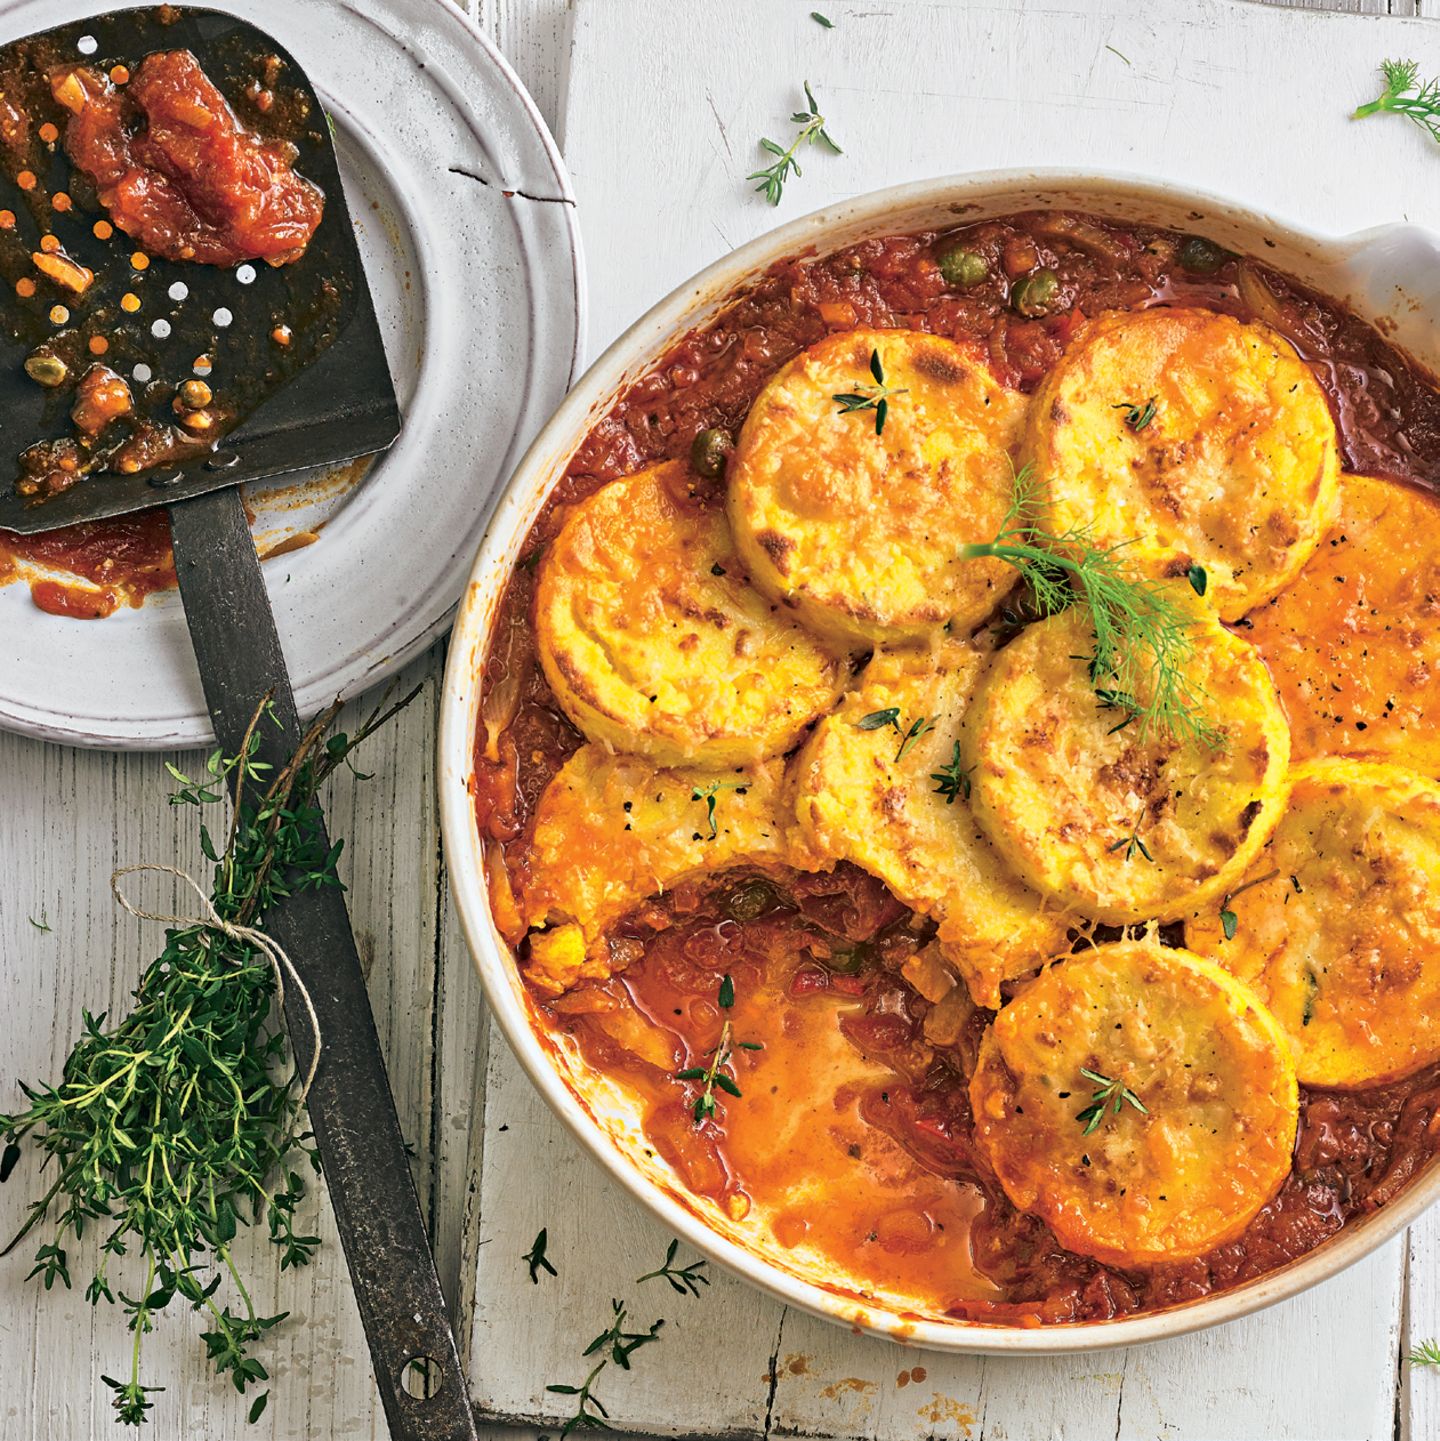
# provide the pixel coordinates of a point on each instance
(1109, 1091)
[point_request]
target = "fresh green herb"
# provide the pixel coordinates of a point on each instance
(1229, 921)
(1406, 94)
(1198, 579)
(176, 1125)
(879, 719)
(708, 794)
(1312, 994)
(720, 1072)
(920, 726)
(811, 132)
(1131, 842)
(1108, 698)
(1117, 54)
(614, 1344)
(1427, 1353)
(1137, 417)
(1108, 1092)
(536, 1259)
(871, 397)
(824, 20)
(952, 781)
(1142, 634)
(42, 925)
(686, 1280)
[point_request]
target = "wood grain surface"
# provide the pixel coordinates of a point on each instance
(490, 1163)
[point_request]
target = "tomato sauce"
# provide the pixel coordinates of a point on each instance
(816, 960)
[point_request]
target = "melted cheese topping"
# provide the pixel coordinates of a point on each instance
(858, 531)
(1177, 1174)
(1341, 932)
(1235, 470)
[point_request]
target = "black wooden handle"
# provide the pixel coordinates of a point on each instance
(351, 1109)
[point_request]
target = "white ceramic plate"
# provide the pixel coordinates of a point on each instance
(481, 301)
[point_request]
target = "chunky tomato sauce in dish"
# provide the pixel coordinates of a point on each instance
(960, 754)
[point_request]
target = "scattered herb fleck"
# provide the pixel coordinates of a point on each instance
(686, 1280)
(879, 719)
(1108, 1092)
(871, 397)
(1197, 578)
(708, 794)
(536, 1259)
(1137, 417)
(42, 925)
(824, 20)
(812, 132)
(920, 726)
(1229, 921)
(1117, 54)
(952, 781)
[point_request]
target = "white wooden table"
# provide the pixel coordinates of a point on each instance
(67, 818)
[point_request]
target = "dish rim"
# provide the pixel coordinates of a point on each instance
(688, 305)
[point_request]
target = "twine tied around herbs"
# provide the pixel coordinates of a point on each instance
(212, 920)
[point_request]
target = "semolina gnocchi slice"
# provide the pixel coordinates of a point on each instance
(1354, 641)
(1235, 469)
(1340, 934)
(858, 531)
(654, 641)
(1203, 1145)
(1116, 824)
(611, 831)
(854, 800)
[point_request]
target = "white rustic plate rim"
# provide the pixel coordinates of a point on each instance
(547, 247)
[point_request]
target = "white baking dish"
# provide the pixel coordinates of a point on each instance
(1389, 275)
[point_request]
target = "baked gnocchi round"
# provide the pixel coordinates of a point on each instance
(882, 784)
(856, 519)
(654, 641)
(1138, 1098)
(1337, 923)
(1120, 822)
(1195, 440)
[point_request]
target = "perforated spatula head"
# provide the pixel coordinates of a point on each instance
(291, 353)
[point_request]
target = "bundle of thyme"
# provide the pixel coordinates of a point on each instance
(177, 1124)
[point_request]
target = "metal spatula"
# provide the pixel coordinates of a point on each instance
(296, 351)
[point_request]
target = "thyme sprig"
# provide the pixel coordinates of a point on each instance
(720, 1072)
(1109, 1091)
(1131, 842)
(890, 717)
(1406, 94)
(613, 1344)
(871, 397)
(811, 132)
(1143, 646)
(953, 780)
(179, 1123)
(1229, 921)
(686, 1280)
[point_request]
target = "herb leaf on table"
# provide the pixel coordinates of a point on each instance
(811, 132)
(178, 1123)
(1406, 94)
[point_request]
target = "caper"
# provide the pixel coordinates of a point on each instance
(709, 451)
(1200, 256)
(962, 267)
(749, 901)
(46, 370)
(193, 395)
(1034, 294)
